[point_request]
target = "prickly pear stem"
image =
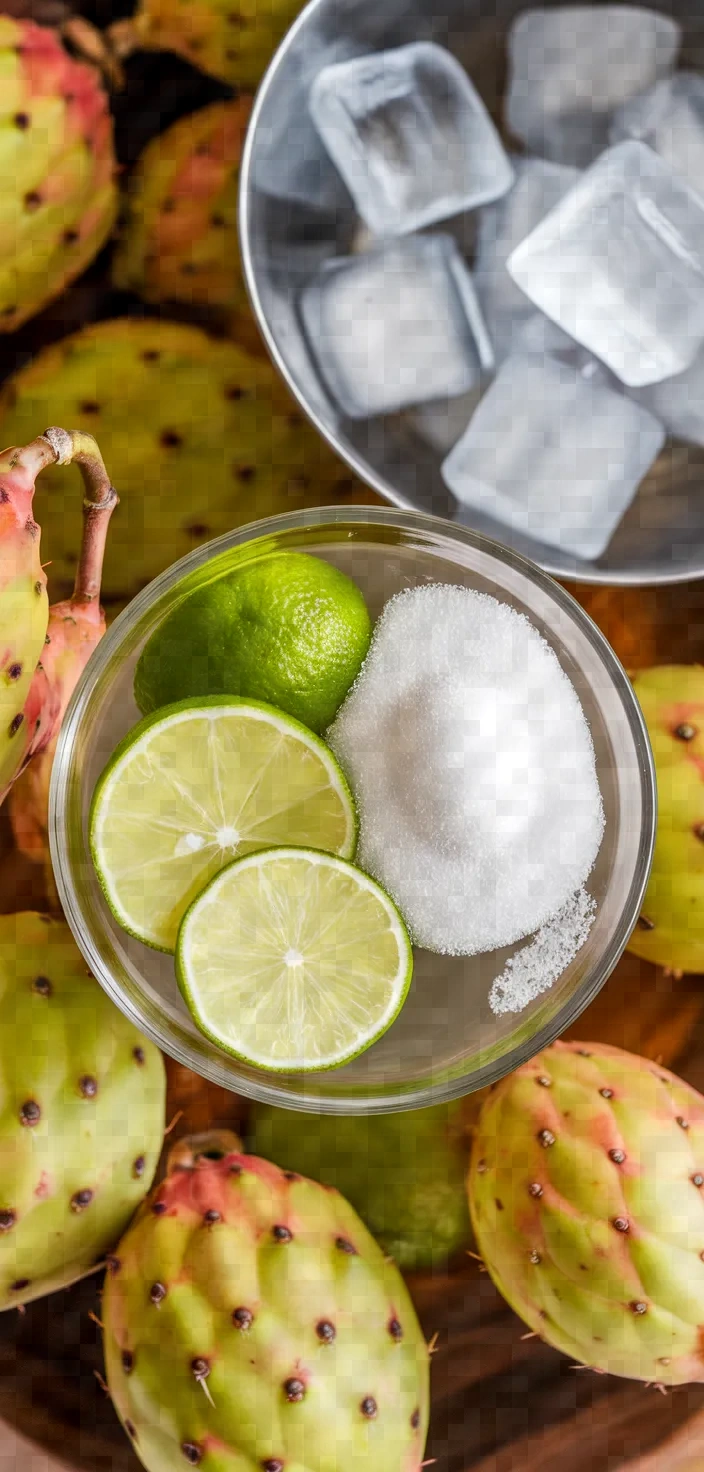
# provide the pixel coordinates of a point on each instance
(99, 502)
(193, 1150)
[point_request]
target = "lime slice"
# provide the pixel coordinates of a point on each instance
(293, 960)
(197, 785)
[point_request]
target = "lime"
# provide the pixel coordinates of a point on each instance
(293, 960)
(288, 629)
(194, 786)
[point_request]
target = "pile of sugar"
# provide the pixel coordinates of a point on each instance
(473, 770)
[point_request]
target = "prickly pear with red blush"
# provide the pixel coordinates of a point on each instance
(587, 1198)
(76, 627)
(252, 1322)
(57, 164)
(29, 701)
(24, 608)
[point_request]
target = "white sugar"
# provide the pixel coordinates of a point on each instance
(473, 770)
(534, 969)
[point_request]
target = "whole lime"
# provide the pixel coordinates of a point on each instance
(289, 629)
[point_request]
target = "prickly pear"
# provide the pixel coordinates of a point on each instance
(83, 1112)
(403, 1173)
(23, 600)
(233, 40)
(670, 930)
(587, 1197)
(26, 698)
(180, 239)
(76, 627)
(251, 1322)
(200, 437)
(57, 168)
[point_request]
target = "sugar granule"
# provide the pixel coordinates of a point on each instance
(535, 968)
(473, 770)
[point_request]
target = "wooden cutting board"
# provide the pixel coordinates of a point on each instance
(500, 1402)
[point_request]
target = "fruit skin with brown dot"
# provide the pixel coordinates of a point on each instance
(23, 603)
(57, 169)
(606, 1261)
(67, 1188)
(671, 929)
(76, 626)
(233, 40)
(280, 1393)
(179, 241)
(200, 437)
(29, 700)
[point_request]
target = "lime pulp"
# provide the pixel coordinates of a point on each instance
(293, 960)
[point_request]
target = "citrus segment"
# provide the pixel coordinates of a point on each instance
(293, 960)
(197, 785)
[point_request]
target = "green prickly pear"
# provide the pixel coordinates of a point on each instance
(83, 1112)
(586, 1190)
(253, 1325)
(670, 930)
(200, 437)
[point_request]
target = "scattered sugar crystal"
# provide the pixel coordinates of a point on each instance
(473, 770)
(537, 967)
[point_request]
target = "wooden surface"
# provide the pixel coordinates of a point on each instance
(500, 1402)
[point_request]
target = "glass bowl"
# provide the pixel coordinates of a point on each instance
(446, 1041)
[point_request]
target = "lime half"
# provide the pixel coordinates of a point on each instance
(293, 960)
(197, 785)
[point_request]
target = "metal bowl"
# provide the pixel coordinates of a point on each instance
(285, 240)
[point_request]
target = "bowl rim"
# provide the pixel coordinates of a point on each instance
(585, 573)
(446, 1088)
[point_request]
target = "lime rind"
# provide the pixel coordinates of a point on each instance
(136, 744)
(291, 629)
(191, 987)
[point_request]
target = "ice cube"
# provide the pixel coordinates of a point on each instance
(396, 326)
(440, 422)
(297, 169)
(572, 66)
(290, 163)
(539, 334)
(670, 119)
(679, 402)
(410, 135)
(538, 187)
(554, 454)
(619, 265)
